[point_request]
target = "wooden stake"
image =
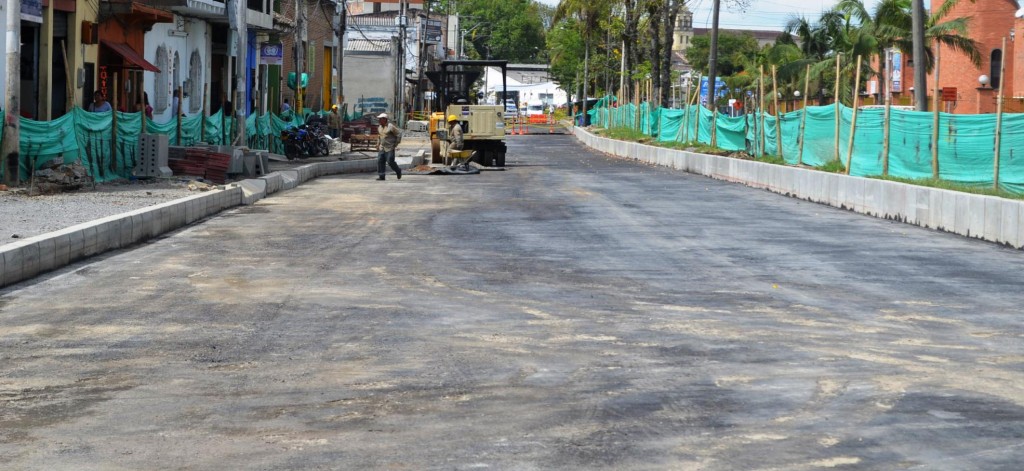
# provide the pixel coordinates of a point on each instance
(803, 116)
(202, 125)
(999, 121)
(113, 125)
(853, 123)
(935, 119)
(69, 102)
(886, 121)
(177, 115)
(838, 111)
(760, 107)
(778, 115)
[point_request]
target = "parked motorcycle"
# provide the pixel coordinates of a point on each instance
(304, 141)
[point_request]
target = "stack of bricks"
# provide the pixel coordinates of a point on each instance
(199, 162)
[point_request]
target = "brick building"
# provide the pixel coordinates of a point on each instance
(990, 22)
(320, 52)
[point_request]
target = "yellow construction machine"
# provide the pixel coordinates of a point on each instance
(483, 125)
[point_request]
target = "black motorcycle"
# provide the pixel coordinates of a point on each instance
(306, 140)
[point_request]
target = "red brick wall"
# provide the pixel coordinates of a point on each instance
(318, 29)
(991, 21)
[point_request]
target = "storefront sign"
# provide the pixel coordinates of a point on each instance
(432, 31)
(271, 54)
(32, 10)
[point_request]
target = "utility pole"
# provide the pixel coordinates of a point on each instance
(300, 50)
(713, 61)
(920, 64)
(12, 110)
(340, 61)
(403, 23)
(241, 105)
(421, 59)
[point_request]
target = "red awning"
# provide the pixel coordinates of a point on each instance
(129, 54)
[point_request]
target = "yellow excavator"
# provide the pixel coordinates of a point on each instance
(483, 125)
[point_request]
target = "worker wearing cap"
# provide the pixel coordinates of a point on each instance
(334, 122)
(455, 139)
(389, 136)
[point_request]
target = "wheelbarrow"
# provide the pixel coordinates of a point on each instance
(461, 158)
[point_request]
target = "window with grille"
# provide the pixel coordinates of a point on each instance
(161, 91)
(996, 71)
(195, 82)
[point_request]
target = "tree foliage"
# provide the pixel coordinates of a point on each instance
(735, 52)
(511, 30)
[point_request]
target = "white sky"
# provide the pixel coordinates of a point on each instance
(762, 14)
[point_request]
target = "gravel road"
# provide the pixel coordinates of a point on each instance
(26, 216)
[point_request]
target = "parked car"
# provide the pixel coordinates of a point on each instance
(510, 109)
(365, 124)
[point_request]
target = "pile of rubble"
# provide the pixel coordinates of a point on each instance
(59, 178)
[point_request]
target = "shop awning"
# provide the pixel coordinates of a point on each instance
(129, 54)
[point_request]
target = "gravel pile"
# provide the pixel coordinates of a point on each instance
(24, 216)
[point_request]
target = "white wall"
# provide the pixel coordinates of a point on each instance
(198, 39)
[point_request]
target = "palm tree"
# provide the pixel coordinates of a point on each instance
(589, 13)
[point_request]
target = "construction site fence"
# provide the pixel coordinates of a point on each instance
(966, 143)
(87, 138)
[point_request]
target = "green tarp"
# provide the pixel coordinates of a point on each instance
(966, 143)
(85, 137)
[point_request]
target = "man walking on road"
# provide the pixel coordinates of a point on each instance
(389, 136)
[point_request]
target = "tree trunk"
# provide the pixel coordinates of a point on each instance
(629, 37)
(672, 8)
(654, 22)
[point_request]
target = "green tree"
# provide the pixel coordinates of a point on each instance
(734, 50)
(511, 30)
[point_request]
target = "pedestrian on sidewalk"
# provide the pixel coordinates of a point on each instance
(388, 138)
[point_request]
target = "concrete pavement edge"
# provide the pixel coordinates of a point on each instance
(33, 256)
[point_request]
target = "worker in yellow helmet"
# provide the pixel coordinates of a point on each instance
(334, 122)
(455, 139)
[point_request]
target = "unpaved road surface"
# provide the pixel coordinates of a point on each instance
(574, 312)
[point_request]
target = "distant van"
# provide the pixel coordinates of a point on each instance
(534, 108)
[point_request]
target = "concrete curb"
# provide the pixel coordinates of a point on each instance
(34, 256)
(982, 217)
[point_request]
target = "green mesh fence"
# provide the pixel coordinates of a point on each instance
(966, 143)
(85, 137)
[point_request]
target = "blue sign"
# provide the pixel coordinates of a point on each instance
(897, 72)
(271, 53)
(720, 89)
(32, 10)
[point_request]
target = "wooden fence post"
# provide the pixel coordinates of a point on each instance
(778, 114)
(999, 121)
(803, 115)
(853, 122)
(838, 110)
(935, 119)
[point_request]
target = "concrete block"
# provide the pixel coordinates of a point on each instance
(13, 263)
(3, 268)
(857, 195)
(47, 253)
(1009, 222)
(976, 221)
(178, 219)
(273, 182)
(61, 247)
(124, 230)
(992, 230)
(30, 258)
(89, 241)
(289, 179)
(873, 197)
(909, 209)
(252, 190)
(1020, 225)
(962, 212)
(103, 235)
